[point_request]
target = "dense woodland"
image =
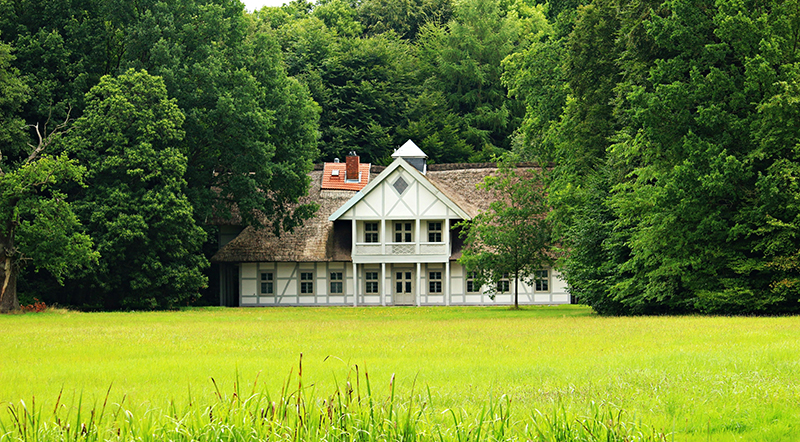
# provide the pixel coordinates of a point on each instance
(672, 127)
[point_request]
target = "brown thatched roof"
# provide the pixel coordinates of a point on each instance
(320, 240)
(313, 241)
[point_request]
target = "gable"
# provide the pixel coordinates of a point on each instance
(400, 192)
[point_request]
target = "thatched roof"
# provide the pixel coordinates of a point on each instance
(313, 241)
(320, 240)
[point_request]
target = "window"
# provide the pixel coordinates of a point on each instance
(400, 185)
(267, 287)
(370, 232)
(434, 282)
(402, 232)
(542, 280)
(471, 286)
(336, 282)
(372, 282)
(434, 231)
(306, 283)
(502, 285)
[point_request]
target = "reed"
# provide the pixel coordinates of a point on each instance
(351, 412)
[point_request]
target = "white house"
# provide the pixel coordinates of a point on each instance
(376, 240)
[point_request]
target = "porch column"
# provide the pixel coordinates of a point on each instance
(447, 283)
(446, 236)
(355, 284)
(382, 236)
(382, 288)
(419, 276)
(417, 238)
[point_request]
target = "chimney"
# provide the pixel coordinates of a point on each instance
(352, 166)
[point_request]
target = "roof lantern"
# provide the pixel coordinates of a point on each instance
(413, 155)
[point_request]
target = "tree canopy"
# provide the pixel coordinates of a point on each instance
(512, 239)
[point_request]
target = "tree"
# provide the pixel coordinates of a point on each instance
(37, 224)
(462, 61)
(513, 236)
(135, 204)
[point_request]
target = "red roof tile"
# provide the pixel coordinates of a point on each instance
(337, 182)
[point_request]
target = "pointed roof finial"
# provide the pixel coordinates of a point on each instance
(409, 150)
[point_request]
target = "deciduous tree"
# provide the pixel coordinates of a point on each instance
(512, 238)
(37, 224)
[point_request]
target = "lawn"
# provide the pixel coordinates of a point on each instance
(686, 378)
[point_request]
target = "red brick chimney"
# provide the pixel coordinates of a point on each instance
(352, 166)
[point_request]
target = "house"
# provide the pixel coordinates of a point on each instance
(381, 236)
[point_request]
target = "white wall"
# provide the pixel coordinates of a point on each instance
(286, 286)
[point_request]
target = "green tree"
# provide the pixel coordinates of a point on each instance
(37, 224)
(250, 130)
(513, 237)
(135, 204)
(404, 17)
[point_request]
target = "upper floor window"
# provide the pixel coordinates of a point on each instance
(371, 232)
(402, 231)
(434, 231)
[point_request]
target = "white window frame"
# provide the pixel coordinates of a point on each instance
(336, 282)
(306, 283)
(434, 229)
(372, 236)
(267, 280)
(435, 281)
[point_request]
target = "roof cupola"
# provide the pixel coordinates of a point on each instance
(413, 155)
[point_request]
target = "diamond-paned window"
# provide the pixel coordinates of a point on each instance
(400, 185)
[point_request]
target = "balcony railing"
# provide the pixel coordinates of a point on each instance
(401, 248)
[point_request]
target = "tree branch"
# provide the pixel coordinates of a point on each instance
(45, 138)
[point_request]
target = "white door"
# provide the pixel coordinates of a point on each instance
(403, 287)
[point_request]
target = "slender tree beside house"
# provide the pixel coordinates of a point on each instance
(513, 238)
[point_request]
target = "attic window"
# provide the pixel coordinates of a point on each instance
(335, 172)
(400, 185)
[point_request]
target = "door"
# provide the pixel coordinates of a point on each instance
(403, 285)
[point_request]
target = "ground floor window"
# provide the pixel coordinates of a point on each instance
(371, 282)
(542, 279)
(502, 284)
(472, 287)
(336, 282)
(306, 283)
(434, 282)
(267, 287)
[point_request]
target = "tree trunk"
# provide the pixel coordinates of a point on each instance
(8, 275)
(516, 290)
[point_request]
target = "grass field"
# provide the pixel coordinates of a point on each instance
(667, 378)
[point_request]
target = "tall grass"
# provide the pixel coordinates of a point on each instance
(351, 412)
(692, 378)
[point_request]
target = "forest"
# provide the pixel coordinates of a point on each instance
(129, 129)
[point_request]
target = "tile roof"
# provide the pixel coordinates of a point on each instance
(331, 180)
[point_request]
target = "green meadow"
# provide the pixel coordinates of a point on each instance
(541, 373)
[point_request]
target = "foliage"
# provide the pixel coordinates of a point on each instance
(673, 150)
(136, 206)
(511, 239)
(37, 224)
